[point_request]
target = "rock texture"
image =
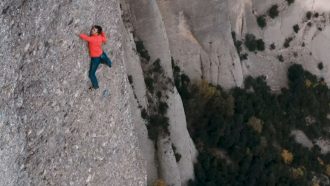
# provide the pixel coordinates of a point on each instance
(200, 40)
(198, 35)
(140, 15)
(53, 131)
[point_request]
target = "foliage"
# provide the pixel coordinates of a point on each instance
(287, 156)
(156, 66)
(280, 58)
(287, 42)
(273, 11)
(250, 129)
(142, 50)
(308, 15)
(130, 79)
(254, 44)
(320, 66)
(296, 28)
(290, 2)
(159, 182)
(149, 83)
(176, 154)
(272, 46)
(261, 20)
(256, 124)
(157, 84)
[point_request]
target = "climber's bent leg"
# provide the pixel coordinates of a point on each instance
(105, 59)
(94, 64)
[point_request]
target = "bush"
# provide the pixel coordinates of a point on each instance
(243, 56)
(290, 2)
(162, 107)
(252, 44)
(261, 20)
(320, 66)
(280, 58)
(287, 42)
(272, 46)
(150, 84)
(130, 79)
(159, 183)
(237, 43)
(177, 155)
(316, 15)
(142, 50)
(309, 15)
(260, 45)
(144, 114)
(273, 11)
(296, 28)
(157, 67)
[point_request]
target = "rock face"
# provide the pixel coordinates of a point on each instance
(142, 14)
(53, 131)
(199, 37)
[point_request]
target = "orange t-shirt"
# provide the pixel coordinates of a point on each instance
(94, 43)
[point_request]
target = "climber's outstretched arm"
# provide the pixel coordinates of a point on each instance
(85, 37)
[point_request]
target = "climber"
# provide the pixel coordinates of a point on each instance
(95, 41)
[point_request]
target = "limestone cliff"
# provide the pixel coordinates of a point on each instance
(202, 37)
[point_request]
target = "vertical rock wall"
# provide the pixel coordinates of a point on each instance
(53, 131)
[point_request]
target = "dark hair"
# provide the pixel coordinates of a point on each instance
(99, 28)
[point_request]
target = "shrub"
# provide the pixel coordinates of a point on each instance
(157, 67)
(309, 15)
(252, 44)
(237, 43)
(272, 46)
(144, 114)
(142, 50)
(177, 155)
(287, 42)
(316, 15)
(280, 58)
(296, 28)
(130, 79)
(290, 2)
(162, 107)
(159, 183)
(287, 156)
(260, 45)
(261, 20)
(150, 84)
(273, 11)
(256, 124)
(243, 56)
(159, 120)
(320, 66)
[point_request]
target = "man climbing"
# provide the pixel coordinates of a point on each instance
(95, 41)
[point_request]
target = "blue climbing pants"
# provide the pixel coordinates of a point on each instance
(95, 62)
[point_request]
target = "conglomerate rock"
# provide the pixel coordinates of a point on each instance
(53, 131)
